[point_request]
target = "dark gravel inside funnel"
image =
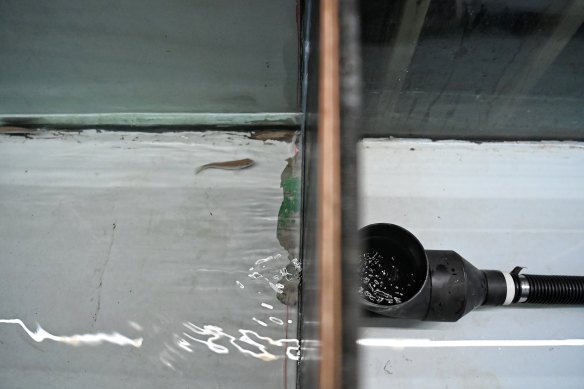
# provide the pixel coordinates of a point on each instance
(387, 274)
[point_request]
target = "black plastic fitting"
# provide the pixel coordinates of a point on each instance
(400, 279)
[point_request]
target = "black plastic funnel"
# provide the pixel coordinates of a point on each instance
(402, 280)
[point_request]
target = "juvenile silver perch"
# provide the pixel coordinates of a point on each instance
(227, 165)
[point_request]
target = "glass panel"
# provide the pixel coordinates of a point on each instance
(473, 69)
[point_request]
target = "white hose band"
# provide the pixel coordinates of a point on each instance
(510, 289)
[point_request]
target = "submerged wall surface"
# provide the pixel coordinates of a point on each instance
(63, 57)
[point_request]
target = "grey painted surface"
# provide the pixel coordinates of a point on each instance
(499, 205)
(63, 57)
(180, 244)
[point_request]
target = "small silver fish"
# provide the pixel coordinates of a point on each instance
(227, 165)
(10, 130)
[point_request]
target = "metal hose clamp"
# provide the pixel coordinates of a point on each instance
(524, 284)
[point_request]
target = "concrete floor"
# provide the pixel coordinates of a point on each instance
(499, 205)
(108, 232)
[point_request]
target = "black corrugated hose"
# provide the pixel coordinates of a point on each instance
(555, 289)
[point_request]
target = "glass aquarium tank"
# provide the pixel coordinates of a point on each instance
(150, 177)
(182, 186)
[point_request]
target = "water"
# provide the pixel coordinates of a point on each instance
(93, 339)
(197, 288)
(387, 278)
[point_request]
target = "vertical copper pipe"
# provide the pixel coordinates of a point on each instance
(329, 228)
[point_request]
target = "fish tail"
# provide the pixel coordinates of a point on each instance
(200, 169)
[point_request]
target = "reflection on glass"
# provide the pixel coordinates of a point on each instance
(473, 69)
